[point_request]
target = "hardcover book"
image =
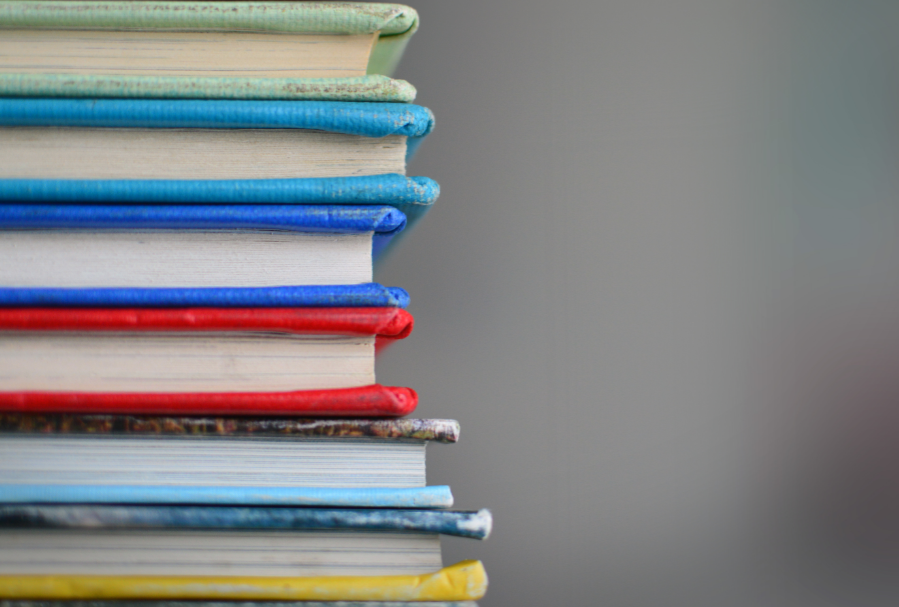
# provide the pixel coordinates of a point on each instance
(205, 139)
(222, 541)
(109, 459)
(257, 361)
(213, 152)
(231, 50)
(179, 246)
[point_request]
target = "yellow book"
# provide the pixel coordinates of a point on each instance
(463, 581)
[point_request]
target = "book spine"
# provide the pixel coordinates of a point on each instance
(364, 119)
(389, 189)
(367, 401)
(338, 296)
(290, 17)
(463, 581)
(392, 323)
(387, 497)
(371, 88)
(463, 524)
(383, 220)
(438, 430)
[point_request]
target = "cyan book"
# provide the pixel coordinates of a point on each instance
(438, 496)
(201, 128)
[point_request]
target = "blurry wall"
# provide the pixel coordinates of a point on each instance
(659, 291)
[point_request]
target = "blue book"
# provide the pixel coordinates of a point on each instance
(207, 460)
(195, 255)
(470, 524)
(416, 497)
(213, 152)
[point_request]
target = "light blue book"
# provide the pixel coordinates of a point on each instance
(417, 497)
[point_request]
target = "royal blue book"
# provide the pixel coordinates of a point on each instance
(152, 151)
(176, 255)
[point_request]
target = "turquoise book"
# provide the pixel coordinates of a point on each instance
(171, 151)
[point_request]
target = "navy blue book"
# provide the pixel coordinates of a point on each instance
(177, 151)
(195, 255)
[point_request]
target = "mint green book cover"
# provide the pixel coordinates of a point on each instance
(395, 24)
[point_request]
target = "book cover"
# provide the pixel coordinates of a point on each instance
(394, 23)
(387, 323)
(368, 295)
(469, 524)
(382, 221)
(413, 196)
(367, 401)
(436, 430)
(364, 119)
(415, 497)
(463, 581)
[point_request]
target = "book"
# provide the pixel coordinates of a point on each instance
(199, 360)
(190, 246)
(222, 541)
(124, 459)
(463, 581)
(250, 50)
(172, 139)
(460, 523)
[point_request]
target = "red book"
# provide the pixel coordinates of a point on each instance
(199, 361)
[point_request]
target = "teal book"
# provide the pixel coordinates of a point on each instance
(182, 151)
(204, 50)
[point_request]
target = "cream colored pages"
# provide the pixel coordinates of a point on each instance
(190, 258)
(182, 362)
(215, 54)
(106, 153)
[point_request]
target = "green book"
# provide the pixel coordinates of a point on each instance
(204, 50)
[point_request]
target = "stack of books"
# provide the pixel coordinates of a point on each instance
(192, 197)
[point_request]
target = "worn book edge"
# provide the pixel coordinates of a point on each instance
(466, 580)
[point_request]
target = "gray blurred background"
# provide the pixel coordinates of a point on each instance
(660, 291)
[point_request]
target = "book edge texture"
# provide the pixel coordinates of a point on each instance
(463, 581)
(468, 524)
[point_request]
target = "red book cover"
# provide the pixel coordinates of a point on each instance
(386, 324)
